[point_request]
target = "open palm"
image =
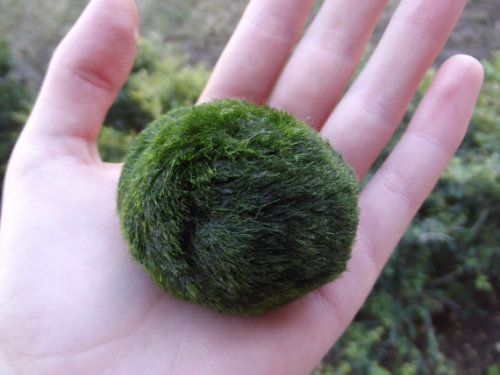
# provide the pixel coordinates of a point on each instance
(71, 299)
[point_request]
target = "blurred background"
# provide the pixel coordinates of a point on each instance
(436, 307)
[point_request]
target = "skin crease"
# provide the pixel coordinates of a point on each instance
(71, 299)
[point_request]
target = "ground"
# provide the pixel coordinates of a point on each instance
(203, 27)
(477, 32)
(472, 342)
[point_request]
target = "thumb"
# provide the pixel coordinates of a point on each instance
(86, 71)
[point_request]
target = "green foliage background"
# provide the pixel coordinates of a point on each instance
(161, 79)
(15, 99)
(443, 276)
(445, 267)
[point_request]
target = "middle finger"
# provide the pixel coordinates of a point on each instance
(324, 60)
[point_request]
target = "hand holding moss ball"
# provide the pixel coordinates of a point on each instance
(237, 206)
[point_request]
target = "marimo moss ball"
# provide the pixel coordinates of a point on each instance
(237, 206)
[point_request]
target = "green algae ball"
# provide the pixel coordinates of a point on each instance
(236, 206)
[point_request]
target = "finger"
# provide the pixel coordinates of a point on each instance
(324, 60)
(393, 196)
(85, 73)
(254, 57)
(373, 107)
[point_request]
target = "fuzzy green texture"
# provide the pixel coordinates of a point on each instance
(236, 206)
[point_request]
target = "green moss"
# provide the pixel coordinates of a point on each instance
(236, 206)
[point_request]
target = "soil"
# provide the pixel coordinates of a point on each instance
(477, 32)
(203, 28)
(472, 342)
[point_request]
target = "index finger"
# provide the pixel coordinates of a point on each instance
(254, 57)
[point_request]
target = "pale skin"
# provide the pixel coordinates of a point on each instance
(71, 299)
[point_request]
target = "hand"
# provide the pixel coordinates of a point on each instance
(71, 299)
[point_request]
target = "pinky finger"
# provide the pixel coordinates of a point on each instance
(400, 186)
(394, 194)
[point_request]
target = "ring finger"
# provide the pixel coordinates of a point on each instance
(366, 117)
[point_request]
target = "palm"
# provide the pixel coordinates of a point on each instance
(95, 303)
(72, 299)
